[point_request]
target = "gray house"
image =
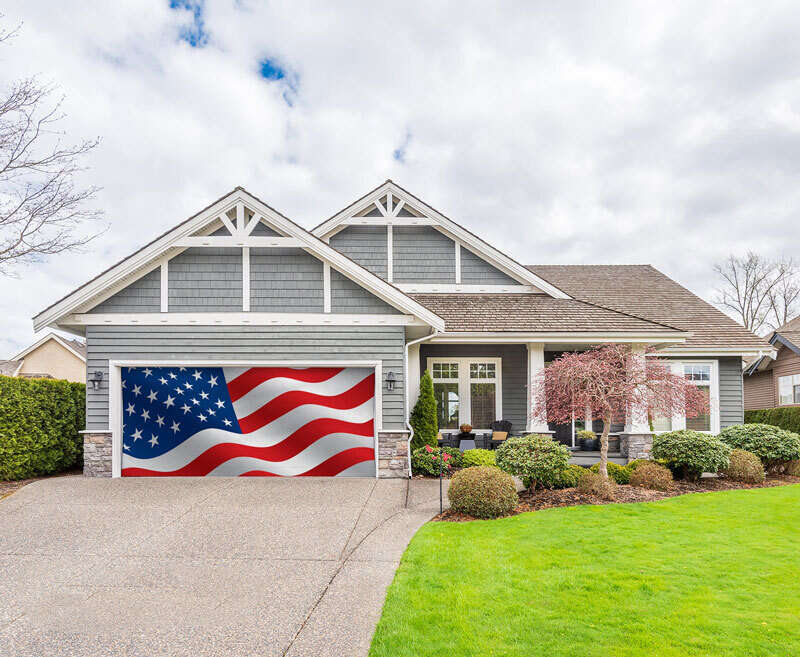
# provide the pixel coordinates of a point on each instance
(239, 343)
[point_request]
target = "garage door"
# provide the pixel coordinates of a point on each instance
(240, 421)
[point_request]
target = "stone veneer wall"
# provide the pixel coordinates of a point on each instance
(392, 454)
(96, 453)
(635, 445)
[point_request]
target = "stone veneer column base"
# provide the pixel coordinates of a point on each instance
(392, 454)
(96, 453)
(635, 445)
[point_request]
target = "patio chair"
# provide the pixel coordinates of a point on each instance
(501, 429)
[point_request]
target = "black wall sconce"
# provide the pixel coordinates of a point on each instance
(96, 379)
(390, 380)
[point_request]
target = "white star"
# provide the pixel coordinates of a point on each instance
(172, 375)
(147, 372)
(197, 375)
(175, 427)
(211, 411)
(163, 381)
(169, 401)
(153, 440)
(123, 384)
(220, 403)
(146, 415)
(125, 446)
(227, 422)
(182, 369)
(179, 391)
(153, 396)
(194, 401)
(137, 390)
(160, 421)
(188, 385)
(212, 381)
(137, 434)
(186, 408)
(204, 395)
(131, 410)
(201, 417)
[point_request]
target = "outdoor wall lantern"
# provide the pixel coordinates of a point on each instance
(96, 378)
(390, 381)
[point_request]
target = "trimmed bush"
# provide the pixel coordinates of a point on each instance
(39, 424)
(537, 460)
(591, 483)
(793, 468)
(482, 492)
(773, 445)
(423, 416)
(650, 474)
(745, 466)
(427, 460)
(787, 417)
(569, 478)
(474, 457)
(690, 453)
(636, 463)
(621, 474)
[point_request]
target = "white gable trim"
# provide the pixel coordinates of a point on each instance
(431, 217)
(47, 338)
(143, 261)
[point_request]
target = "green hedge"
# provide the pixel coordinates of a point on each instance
(40, 420)
(786, 418)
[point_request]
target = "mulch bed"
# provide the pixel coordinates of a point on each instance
(535, 500)
(8, 487)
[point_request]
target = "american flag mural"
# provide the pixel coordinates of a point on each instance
(240, 421)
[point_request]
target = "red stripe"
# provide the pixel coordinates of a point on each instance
(329, 468)
(255, 376)
(301, 439)
(282, 404)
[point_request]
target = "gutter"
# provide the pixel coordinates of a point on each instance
(433, 333)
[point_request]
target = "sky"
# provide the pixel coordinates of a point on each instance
(577, 132)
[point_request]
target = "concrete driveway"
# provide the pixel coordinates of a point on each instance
(251, 566)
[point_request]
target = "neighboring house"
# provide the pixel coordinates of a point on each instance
(239, 343)
(51, 357)
(772, 382)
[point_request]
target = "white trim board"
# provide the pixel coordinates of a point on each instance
(145, 257)
(450, 228)
(240, 319)
(450, 288)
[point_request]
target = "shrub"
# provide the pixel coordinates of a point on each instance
(482, 492)
(592, 483)
(569, 478)
(650, 474)
(636, 463)
(474, 457)
(423, 418)
(39, 424)
(773, 445)
(537, 460)
(426, 460)
(787, 418)
(690, 453)
(793, 468)
(621, 474)
(745, 466)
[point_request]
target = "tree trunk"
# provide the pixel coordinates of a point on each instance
(604, 448)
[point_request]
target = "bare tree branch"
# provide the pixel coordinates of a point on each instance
(43, 208)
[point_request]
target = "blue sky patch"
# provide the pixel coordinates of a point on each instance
(399, 153)
(195, 34)
(273, 71)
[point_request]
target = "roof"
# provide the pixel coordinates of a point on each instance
(9, 367)
(643, 291)
(792, 326)
(76, 347)
(531, 313)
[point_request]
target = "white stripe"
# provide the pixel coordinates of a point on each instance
(269, 390)
(363, 469)
(267, 436)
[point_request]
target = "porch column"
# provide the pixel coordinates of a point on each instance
(588, 419)
(636, 417)
(535, 368)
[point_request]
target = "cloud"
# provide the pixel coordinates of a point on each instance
(561, 132)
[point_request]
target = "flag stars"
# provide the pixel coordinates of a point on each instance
(131, 409)
(212, 381)
(126, 447)
(197, 375)
(194, 401)
(169, 401)
(220, 403)
(201, 417)
(160, 421)
(172, 375)
(137, 435)
(163, 381)
(175, 427)
(145, 415)
(153, 396)
(187, 385)
(186, 408)
(227, 422)
(147, 372)
(153, 440)
(137, 390)
(203, 395)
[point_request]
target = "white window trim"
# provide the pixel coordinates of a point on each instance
(679, 419)
(464, 397)
(792, 385)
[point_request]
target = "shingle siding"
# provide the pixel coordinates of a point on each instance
(731, 400)
(285, 280)
(141, 296)
(199, 343)
(421, 254)
(206, 280)
(349, 297)
(476, 271)
(365, 245)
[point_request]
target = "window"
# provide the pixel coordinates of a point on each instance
(700, 375)
(705, 376)
(467, 391)
(789, 390)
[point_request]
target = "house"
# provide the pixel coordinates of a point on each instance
(239, 343)
(772, 382)
(51, 357)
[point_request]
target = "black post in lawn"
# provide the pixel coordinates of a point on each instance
(441, 468)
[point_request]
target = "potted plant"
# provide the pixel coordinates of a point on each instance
(588, 440)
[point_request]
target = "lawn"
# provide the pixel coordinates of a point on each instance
(706, 574)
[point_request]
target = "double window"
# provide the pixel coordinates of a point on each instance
(704, 375)
(789, 390)
(467, 390)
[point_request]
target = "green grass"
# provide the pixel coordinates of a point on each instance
(709, 574)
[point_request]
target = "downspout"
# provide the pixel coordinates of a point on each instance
(434, 333)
